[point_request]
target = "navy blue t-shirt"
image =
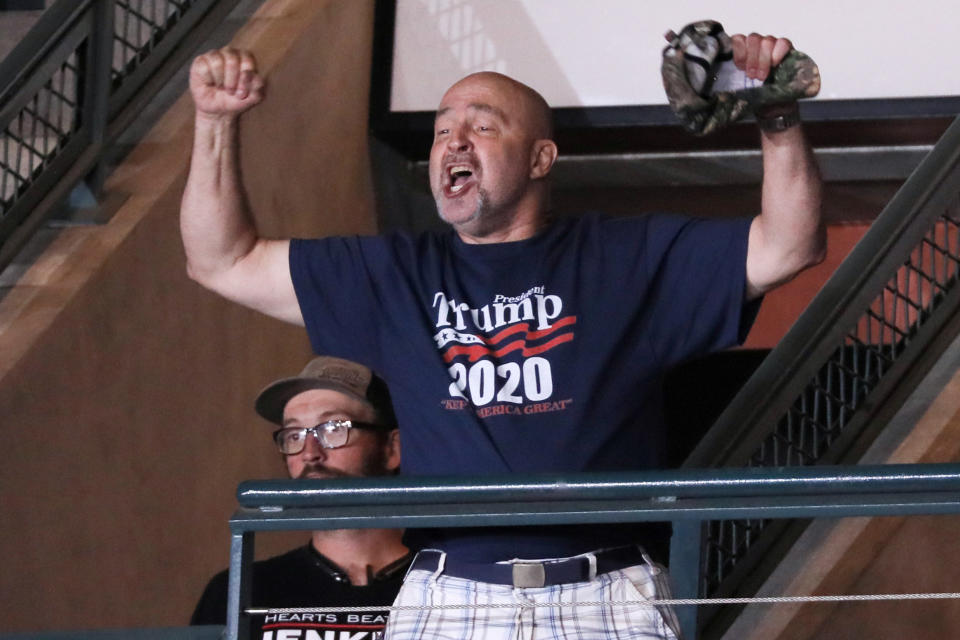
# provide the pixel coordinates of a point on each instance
(543, 355)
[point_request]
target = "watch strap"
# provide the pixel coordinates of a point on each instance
(780, 122)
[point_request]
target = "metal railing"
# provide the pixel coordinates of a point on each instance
(72, 85)
(834, 381)
(684, 497)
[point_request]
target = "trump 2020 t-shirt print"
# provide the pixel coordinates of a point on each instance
(476, 342)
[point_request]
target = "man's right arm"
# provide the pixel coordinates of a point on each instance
(224, 252)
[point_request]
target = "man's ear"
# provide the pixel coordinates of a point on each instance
(542, 156)
(392, 448)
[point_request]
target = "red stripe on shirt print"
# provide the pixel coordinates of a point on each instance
(531, 335)
(475, 352)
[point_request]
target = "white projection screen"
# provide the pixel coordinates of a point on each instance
(602, 53)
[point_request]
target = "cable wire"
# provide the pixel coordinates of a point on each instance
(672, 602)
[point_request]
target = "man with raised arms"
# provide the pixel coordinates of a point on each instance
(512, 342)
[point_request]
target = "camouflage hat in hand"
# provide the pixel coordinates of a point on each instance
(708, 92)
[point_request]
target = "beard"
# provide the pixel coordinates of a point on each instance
(374, 465)
(478, 213)
(317, 470)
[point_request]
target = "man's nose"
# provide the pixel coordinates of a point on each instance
(459, 139)
(312, 449)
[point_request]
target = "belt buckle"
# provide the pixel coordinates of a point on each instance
(529, 574)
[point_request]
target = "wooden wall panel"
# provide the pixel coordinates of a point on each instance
(126, 390)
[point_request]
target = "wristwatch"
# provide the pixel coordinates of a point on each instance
(781, 121)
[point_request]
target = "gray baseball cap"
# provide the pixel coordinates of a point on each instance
(328, 372)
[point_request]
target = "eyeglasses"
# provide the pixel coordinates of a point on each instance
(331, 435)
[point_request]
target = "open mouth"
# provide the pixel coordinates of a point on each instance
(459, 176)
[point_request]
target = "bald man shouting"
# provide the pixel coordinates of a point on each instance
(513, 341)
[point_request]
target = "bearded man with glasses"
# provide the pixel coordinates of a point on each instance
(336, 420)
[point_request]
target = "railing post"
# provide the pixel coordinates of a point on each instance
(239, 585)
(685, 561)
(97, 81)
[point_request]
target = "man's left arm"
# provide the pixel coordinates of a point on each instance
(788, 236)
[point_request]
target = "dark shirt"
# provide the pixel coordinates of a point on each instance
(545, 355)
(305, 578)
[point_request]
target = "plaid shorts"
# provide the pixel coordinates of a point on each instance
(513, 620)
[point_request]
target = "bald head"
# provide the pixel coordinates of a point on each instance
(492, 152)
(533, 109)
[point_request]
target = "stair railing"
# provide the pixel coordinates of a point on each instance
(71, 86)
(841, 372)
